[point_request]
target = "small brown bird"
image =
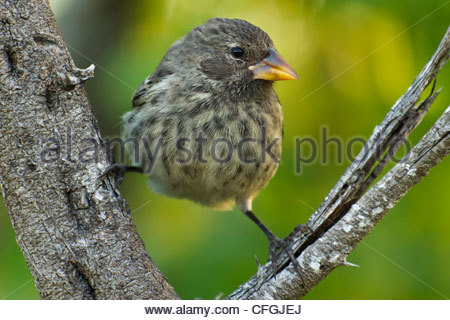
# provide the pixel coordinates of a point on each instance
(207, 124)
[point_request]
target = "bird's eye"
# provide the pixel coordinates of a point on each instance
(237, 52)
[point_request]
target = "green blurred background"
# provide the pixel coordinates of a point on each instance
(355, 59)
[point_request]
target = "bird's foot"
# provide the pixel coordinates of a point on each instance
(115, 170)
(276, 244)
(118, 171)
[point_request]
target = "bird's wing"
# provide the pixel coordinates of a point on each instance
(144, 93)
(140, 96)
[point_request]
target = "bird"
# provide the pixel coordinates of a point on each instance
(207, 124)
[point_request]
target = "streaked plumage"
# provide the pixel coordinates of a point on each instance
(204, 86)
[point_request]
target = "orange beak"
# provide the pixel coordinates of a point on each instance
(273, 68)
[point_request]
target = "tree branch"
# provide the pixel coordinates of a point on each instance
(75, 232)
(332, 248)
(348, 213)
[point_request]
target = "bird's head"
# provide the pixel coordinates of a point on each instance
(230, 55)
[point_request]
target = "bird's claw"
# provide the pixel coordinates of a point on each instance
(116, 169)
(275, 244)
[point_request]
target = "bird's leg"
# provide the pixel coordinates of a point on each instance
(119, 170)
(275, 244)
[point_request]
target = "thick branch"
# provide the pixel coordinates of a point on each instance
(316, 248)
(75, 232)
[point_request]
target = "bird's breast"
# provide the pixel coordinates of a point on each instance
(210, 151)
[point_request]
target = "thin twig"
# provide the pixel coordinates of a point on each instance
(386, 139)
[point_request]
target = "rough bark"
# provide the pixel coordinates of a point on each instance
(75, 231)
